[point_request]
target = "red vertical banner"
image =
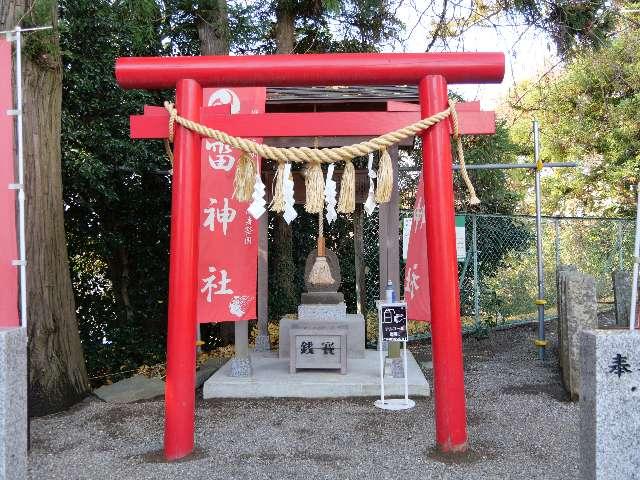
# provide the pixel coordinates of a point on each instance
(416, 276)
(228, 238)
(8, 239)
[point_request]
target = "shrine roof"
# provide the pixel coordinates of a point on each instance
(281, 95)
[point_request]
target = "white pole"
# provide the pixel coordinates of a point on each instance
(22, 262)
(381, 352)
(406, 376)
(636, 260)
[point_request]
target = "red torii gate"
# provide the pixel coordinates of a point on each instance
(430, 71)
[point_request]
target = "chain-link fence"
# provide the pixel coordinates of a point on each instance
(498, 277)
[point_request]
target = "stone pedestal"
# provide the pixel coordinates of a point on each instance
(323, 312)
(320, 306)
(561, 272)
(13, 404)
(263, 344)
(610, 405)
(622, 296)
(577, 311)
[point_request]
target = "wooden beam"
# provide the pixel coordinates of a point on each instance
(358, 249)
(323, 124)
(395, 106)
(326, 142)
(389, 234)
(263, 282)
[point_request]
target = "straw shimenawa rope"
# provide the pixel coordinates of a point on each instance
(328, 155)
(307, 154)
(384, 186)
(473, 198)
(277, 202)
(347, 200)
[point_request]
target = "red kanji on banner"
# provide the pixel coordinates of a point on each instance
(416, 277)
(228, 239)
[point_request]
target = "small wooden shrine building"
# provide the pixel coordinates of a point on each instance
(340, 99)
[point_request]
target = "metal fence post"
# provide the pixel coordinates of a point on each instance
(619, 245)
(476, 283)
(540, 301)
(556, 227)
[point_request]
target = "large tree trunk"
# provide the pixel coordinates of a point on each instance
(285, 267)
(213, 32)
(285, 29)
(58, 377)
(213, 27)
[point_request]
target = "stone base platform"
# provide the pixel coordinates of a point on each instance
(271, 379)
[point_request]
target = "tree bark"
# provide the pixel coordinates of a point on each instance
(58, 377)
(213, 27)
(285, 29)
(124, 283)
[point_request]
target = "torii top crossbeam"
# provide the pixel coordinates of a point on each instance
(310, 70)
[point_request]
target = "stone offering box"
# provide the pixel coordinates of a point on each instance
(318, 347)
(312, 316)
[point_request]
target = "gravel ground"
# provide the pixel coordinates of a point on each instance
(520, 426)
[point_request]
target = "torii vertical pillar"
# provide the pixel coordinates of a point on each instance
(437, 174)
(183, 263)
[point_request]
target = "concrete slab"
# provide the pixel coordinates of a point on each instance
(131, 389)
(271, 378)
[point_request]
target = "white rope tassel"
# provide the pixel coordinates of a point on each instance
(370, 204)
(330, 195)
(256, 209)
(287, 193)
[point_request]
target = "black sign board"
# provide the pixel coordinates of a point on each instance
(394, 322)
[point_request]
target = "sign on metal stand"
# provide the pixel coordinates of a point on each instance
(392, 327)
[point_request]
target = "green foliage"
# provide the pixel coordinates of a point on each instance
(42, 46)
(117, 192)
(589, 114)
(116, 201)
(366, 25)
(492, 186)
(574, 25)
(285, 278)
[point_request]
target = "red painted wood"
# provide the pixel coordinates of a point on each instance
(183, 282)
(149, 126)
(155, 110)
(325, 124)
(309, 70)
(444, 294)
(468, 107)
(393, 106)
(8, 239)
